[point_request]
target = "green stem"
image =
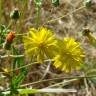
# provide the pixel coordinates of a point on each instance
(38, 9)
(9, 25)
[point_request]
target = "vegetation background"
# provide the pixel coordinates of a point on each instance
(71, 25)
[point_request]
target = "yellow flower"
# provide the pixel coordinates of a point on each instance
(70, 55)
(40, 43)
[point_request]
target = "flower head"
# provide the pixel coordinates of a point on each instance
(40, 43)
(10, 37)
(9, 40)
(70, 55)
(15, 14)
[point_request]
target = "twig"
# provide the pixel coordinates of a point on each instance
(87, 87)
(46, 71)
(13, 56)
(26, 66)
(53, 20)
(93, 87)
(54, 79)
(62, 83)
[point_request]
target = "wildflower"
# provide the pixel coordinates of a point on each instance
(70, 55)
(40, 43)
(9, 39)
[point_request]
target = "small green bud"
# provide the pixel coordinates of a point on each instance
(15, 14)
(7, 45)
(90, 37)
(9, 40)
(88, 3)
(86, 31)
(55, 3)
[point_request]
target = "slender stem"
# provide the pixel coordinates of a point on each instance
(38, 9)
(63, 83)
(10, 23)
(23, 11)
(53, 20)
(13, 56)
(26, 66)
(54, 79)
(86, 87)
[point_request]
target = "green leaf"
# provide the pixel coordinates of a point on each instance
(45, 90)
(28, 91)
(92, 72)
(3, 32)
(55, 3)
(18, 62)
(15, 52)
(22, 74)
(17, 79)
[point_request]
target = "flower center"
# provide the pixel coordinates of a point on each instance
(41, 45)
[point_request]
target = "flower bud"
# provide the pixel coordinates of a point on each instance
(17, 72)
(9, 40)
(15, 14)
(10, 37)
(55, 3)
(86, 31)
(90, 37)
(88, 3)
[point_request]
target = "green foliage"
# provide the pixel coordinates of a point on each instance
(90, 73)
(28, 91)
(17, 78)
(1, 94)
(3, 32)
